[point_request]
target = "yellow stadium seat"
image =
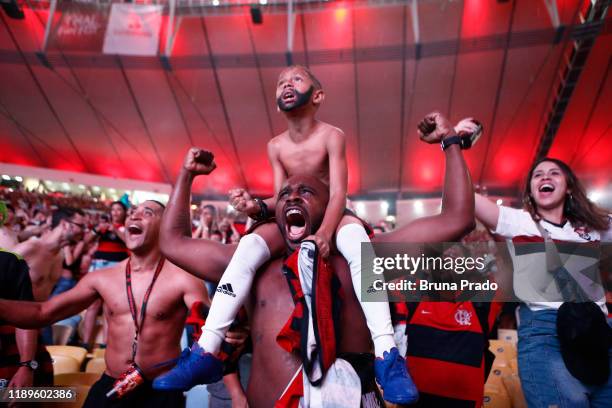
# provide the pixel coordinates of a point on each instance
(503, 350)
(64, 364)
(501, 363)
(80, 378)
(511, 336)
(98, 353)
(78, 353)
(61, 334)
(493, 398)
(96, 365)
(513, 365)
(495, 392)
(81, 396)
(496, 375)
(512, 382)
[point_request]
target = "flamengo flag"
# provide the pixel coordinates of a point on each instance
(133, 29)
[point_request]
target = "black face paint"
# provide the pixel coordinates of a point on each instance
(301, 99)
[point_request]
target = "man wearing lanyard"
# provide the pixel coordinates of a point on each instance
(146, 300)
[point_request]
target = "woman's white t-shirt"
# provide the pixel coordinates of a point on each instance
(518, 226)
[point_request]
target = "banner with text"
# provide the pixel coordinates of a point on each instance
(531, 272)
(79, 27)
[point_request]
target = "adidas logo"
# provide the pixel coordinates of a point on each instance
(226, 289)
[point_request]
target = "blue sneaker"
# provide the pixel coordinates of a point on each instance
(194, 367)
(392, 376)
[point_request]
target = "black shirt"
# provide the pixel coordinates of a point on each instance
(15, 283)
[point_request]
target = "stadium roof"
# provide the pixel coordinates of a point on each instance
(382, 66)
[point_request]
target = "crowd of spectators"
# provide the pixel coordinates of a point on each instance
(26, 215)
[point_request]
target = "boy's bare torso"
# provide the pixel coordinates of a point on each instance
(306, 156)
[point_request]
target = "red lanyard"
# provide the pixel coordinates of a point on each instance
(145, 300)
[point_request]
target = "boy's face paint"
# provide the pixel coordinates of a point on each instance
(292, 99)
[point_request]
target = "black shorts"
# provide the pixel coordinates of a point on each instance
(143, 396)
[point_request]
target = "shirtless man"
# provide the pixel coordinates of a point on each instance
(455, 220)
(159, 333)
(44, 255)
(271, 304)
(311, 147)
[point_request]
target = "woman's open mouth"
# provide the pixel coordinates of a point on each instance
(546, 189)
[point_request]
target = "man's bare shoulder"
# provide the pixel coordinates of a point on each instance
(102, 279)
(8, 238)
(104, 274)
(28, 247)
(170, 268)
(115, 268)
(180, 276)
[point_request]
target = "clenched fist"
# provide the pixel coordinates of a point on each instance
(434, 127)
(469, 127)
(198, 161)
(242, 201)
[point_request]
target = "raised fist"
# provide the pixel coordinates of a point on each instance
(467, 126)
(242, 201)
(198, 161)
(434, 127)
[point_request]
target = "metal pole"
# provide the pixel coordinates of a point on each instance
(49, 23)
(414, 12)
(170, 28)
(290, 31)
(553, 12)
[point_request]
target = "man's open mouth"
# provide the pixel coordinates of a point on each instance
(134, 229)
(295, 224)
